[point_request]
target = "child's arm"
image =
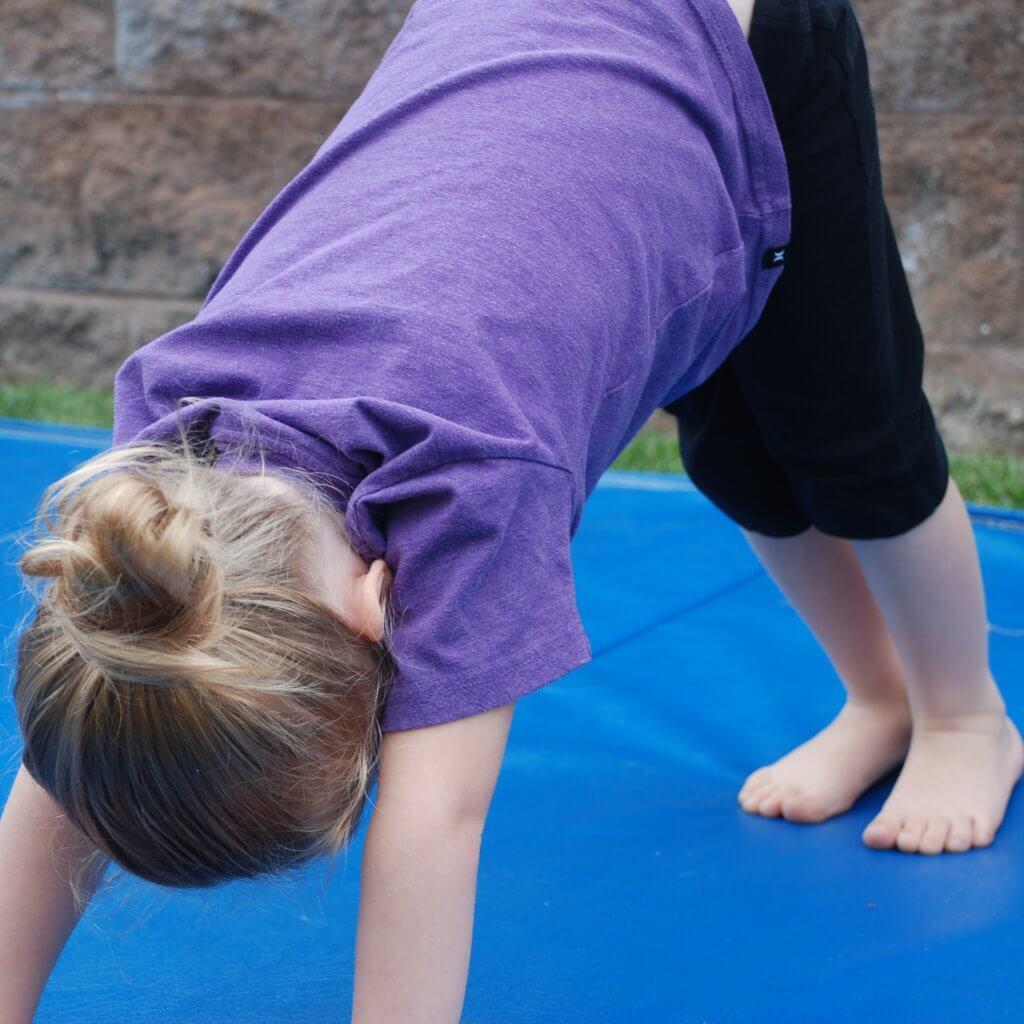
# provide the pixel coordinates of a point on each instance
(39, 851)
(419, 869)
(418, 877)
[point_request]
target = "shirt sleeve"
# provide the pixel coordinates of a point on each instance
(483, 591)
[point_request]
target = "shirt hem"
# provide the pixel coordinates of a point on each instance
(764, 144)
(537, 668)
(241, 451)
(366, 490)
(285, 452)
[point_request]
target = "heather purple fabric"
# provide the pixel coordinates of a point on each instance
(539, 222)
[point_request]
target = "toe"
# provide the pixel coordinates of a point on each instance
(960, 835)
(752, 798)
(909, 838)
(749, 802)
(933, 839)
(751, 790)
(805, 808)
(881, 833)
(984, 833)
(757, 783)
(770, 805)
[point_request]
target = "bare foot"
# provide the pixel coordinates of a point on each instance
(954, 788)
(824, 776)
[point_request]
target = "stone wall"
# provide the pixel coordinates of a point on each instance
(949, 85)
(139, 138)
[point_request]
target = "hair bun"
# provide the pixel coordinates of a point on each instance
(127, 559)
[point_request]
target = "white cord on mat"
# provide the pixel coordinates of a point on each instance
(1005, 631)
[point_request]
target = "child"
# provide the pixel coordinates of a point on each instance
(538, 223)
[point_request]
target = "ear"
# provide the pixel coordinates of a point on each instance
(370, 590)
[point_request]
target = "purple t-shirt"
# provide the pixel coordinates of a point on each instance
(541, 220)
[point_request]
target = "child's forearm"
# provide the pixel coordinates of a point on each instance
(415, 922)
(419, 870)
(39, 852)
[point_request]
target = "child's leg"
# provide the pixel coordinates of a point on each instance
(842, 414)
(869, 737)
(819, 419)
(965, 756)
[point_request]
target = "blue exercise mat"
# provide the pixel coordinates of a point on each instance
(619, 882)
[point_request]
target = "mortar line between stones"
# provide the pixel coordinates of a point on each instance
(98, 297)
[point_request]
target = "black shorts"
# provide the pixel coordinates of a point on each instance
(818, 418)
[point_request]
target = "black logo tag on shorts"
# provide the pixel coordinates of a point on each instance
(774, 257)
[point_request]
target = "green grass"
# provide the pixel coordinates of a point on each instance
(990, 479)
(50, 404)
(986, 479)
(651, 450)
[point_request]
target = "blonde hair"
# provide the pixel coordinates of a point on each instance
(186, 698)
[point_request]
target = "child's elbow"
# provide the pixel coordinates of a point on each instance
(442, 778)
(460, 813)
